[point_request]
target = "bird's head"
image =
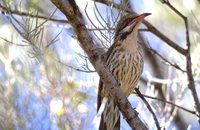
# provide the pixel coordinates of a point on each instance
(129, 23)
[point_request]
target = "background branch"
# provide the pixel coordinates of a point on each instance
(191, 84)
(164, 59)
(6, 10)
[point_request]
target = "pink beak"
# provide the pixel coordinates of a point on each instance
(139, 18)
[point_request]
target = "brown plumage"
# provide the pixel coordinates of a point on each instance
(124, 60)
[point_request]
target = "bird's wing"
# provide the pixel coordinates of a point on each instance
(99, 97)
(102, 102)
(105, 57)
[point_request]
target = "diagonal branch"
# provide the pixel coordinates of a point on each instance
(71, 11)
(164, 59)
(163, 37)
(149, 107)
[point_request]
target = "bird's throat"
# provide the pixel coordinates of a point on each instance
(130, 44)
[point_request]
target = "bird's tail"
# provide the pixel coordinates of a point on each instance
(110, 116)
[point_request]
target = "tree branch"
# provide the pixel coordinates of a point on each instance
(71, 11)
(191, 84)
(149, 107)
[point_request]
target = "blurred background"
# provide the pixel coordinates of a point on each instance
(48, 83)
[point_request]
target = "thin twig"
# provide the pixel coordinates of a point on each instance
(10, 42)
(21, 13)
(95, 14)
(179, 97)
(171, 64)
(54, 40)
(102, 34)
(77, 69)
(171, 103)
(99, 13)
(149, 107)
(197, 21)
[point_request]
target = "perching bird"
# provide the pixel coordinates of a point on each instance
(125, 61)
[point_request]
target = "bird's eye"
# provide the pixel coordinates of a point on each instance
(128, 21)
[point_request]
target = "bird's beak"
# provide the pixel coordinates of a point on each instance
(139, 18)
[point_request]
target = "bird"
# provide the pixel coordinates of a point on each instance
(124, 59)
